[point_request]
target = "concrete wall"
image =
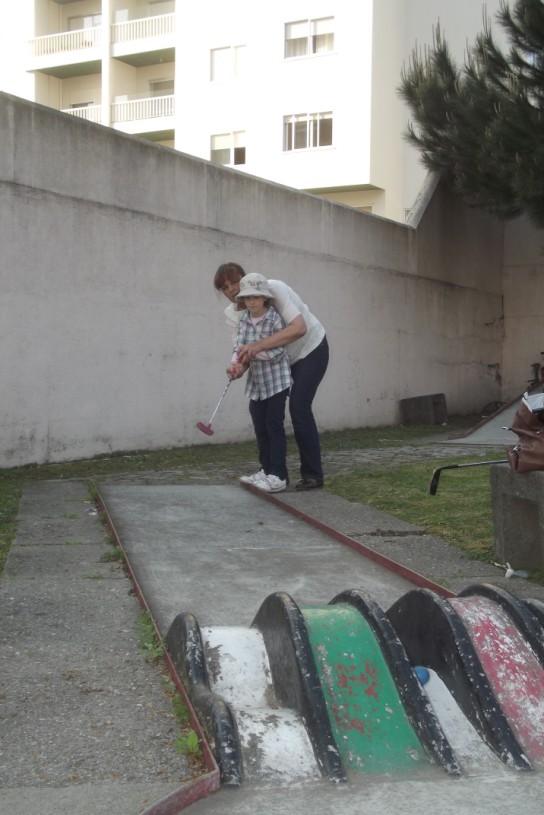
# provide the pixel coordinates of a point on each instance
(113, 337)
(523, 304)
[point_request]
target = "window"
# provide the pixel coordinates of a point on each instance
(309, 37)
(304, 131)
(227, 63)
(161, 87)
(84, 21)
(157, 7)
(228, 148)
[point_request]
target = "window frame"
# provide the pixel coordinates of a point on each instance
(164, 80)
(307, 128)
(91, 16)
(233, 68)
(309, 42)
(158, 13)
(236, 151)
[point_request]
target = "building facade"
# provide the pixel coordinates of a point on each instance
(299, 92)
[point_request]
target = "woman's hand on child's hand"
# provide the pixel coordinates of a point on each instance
(248, 352)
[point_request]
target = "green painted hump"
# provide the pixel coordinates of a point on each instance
(372, 730)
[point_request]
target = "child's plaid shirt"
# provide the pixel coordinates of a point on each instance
(272, 375)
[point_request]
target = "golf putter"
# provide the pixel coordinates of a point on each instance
(206, 427)
(433, 486)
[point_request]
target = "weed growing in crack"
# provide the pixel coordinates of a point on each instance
(112, 556)
(189, 744)
(149, 642)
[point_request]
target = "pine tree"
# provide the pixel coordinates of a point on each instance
(483, 125)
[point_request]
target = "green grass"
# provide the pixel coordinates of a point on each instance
(189, 744)
(460, 515)
(10, 494)
(112, 556)
(150, 645)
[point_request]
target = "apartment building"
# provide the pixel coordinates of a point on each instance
(300, 92)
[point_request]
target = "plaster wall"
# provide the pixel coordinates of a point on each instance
(114, 339)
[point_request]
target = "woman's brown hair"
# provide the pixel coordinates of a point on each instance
(226, 272)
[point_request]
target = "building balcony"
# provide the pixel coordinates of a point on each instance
(145, 41)
(141, 115)
(70, 53)
(151, 116)
(92, 113)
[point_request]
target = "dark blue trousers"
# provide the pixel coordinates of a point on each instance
(307, 373)
(268, 416)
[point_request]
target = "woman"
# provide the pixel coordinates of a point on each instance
(308, 353)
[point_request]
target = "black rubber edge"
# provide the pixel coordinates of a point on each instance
(415, 701)
(184, 644)
(537, 608)
(433, 635)
(522, 616)
(295, 677)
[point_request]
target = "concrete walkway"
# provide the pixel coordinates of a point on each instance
(86, 724)
(493, 431)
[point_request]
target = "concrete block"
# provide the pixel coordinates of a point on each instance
(429, 409)
(517, 503)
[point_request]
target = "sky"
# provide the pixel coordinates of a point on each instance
(15, 28)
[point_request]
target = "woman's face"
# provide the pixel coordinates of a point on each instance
(231, 286)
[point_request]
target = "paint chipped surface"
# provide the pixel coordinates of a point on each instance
(512, 668)
(275, 745)
(237, 665)
(369, 722)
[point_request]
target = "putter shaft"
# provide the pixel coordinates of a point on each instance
(433, 486)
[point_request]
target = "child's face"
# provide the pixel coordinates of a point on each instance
(255, 304)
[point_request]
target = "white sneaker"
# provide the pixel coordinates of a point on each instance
(252, 479)
(270, 483)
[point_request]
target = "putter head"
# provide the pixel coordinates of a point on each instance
(433, 486)
(205, 428)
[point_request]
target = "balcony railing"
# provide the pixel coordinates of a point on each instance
(67, 41)
(92, 113)
(154, 107)
(144, 28)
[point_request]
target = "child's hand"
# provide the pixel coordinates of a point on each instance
(235, 370)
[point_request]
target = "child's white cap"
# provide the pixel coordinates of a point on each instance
(254, 284)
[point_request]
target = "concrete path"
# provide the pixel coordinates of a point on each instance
(86, 725)
(493, 432)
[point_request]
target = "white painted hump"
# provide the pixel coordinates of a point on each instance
(274, 741)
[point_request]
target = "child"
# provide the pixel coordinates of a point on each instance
(267, 385)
